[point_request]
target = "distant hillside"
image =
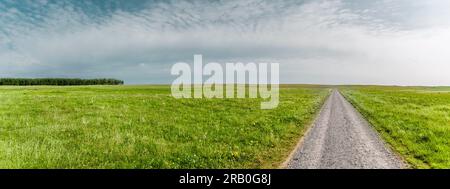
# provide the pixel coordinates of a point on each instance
(59, 81)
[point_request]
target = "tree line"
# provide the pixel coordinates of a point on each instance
(59, 81)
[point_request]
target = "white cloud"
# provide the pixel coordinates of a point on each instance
(315, 42)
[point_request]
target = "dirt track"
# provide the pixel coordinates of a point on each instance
(341, 139)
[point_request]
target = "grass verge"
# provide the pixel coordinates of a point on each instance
(415, 121)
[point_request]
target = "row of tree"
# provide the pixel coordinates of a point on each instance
(59, 81)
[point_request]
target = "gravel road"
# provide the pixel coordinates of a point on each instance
(341, 139)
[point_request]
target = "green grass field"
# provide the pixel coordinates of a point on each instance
(144, 127)
(414, 120)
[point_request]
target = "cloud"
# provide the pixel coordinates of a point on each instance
(314, 41)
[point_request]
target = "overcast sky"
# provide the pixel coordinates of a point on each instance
(402, 42)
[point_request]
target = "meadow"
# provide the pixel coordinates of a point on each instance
(144, 127)
(415, 121)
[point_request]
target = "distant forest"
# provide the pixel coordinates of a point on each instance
(59, 81)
